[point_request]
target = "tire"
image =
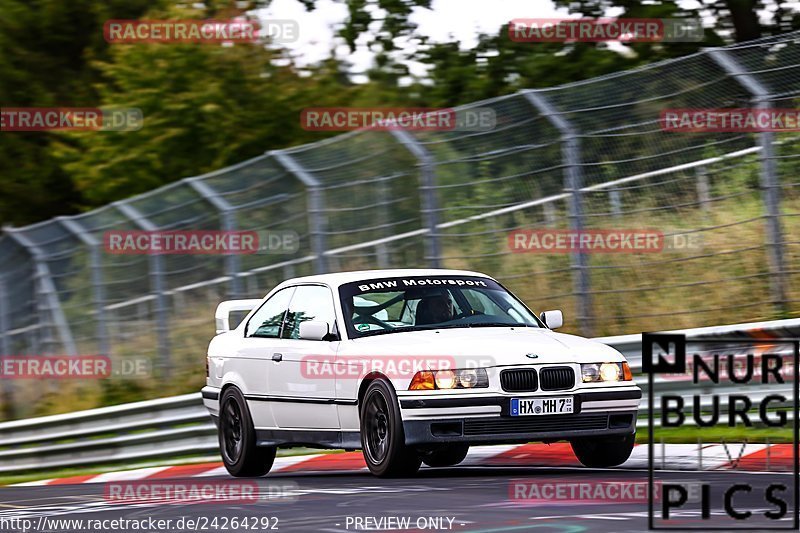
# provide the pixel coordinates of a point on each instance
(446, 455)
(382, 436)
(237, 438)
(603, 452)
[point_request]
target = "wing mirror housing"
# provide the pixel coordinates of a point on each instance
(553, 319)
(222, 316)
(314, 330)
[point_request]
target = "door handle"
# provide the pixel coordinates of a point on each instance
(277, 357)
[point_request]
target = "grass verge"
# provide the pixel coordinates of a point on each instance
(690, 435)
(26, 477)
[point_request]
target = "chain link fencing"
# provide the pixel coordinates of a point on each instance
(583, 156)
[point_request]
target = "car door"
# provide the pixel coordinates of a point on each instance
(304, 379)
(253, 362)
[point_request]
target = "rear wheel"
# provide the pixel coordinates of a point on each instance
(605, 451)
(445, 455)
(382, 437)
(237, 438)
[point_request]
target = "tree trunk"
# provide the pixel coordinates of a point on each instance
(745, 19)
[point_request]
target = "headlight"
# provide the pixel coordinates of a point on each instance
(468, 378)
(590, 372)
(610, 372)
(445, 379)
(599, 372)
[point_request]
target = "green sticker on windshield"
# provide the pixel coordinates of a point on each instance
(362, 327)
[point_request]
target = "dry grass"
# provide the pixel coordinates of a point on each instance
(724, 282)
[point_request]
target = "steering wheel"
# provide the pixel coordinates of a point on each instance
(364, 319)
(464, 314)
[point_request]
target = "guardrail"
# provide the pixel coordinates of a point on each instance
(167, 427)
(180, 426)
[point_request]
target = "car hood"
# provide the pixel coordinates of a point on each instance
(495, 346)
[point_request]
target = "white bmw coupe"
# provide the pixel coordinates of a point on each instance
(410, 366)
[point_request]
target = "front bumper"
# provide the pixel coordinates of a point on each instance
(513, 430)
(487, 420)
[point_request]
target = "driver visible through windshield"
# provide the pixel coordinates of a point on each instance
(390, 305)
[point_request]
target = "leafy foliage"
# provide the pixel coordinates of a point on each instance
(206, 106)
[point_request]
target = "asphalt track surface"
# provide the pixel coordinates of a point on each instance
(477, 499)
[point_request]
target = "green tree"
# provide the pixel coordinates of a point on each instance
(48, 46)
(204, 107)
(744, 19)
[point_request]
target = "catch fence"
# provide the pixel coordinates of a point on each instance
(583, 156)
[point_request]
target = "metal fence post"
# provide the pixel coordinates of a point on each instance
(770, 186)
(427, 190)
(381, 250)
(226, 213)
(703, 188)
(615, 200)
(549, 213)
(316, 207)
(98, 293)
(156, 265)
(6, 385)
(5, 327)
(46, 289)
(573, 181)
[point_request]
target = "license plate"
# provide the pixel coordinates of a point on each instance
(541, 406)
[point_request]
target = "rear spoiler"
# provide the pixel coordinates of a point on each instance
(222, 316)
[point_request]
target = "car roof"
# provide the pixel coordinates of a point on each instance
(340, 278)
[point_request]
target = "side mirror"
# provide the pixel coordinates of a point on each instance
(314, 330)
(222, 316)
(553, 319)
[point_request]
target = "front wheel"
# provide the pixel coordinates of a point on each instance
(603, 452)
(237, 438)
(382, 437)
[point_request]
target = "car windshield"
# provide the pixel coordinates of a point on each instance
(390, 305)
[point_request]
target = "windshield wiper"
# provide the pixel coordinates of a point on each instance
(499, 324)
(433, 327)
(412, 328)
(378, 332)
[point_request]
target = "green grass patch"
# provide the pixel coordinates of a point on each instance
(26, 477)
(691, 434)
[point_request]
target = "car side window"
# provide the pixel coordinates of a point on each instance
(267, 321)
(310, 302)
